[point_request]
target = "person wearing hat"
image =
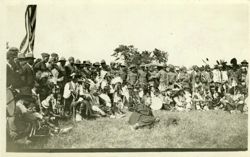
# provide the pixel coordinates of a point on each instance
(25, 118)
(61, 65)
(163, 78)
(234, 73)
(87, 69)
(78, 66)
(143, 116)
(113, 69)
(233, 101)
(122, 72)
(54, 57)
(142, 76)
(21, 59)
(13, 75)
(244, 63)
(41, 66)
(104, 66)
(243, 74)
(132, 77)
(70, 93)
(172, 75)
(96, 69)
(70, 68)
(62, 72)
(29, 74)
(75, 97)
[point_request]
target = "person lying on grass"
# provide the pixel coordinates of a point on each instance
(143, 115)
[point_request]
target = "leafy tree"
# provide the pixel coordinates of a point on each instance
(131, 55)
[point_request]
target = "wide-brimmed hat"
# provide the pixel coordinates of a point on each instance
(87, 62)
(71, 58)
(96, 64)
(62, 59)
(77, 62)
(244, 62)
(103, 61)
(132, 66)
(29, 56)
(45, 55)
(21, 56)
(54, 55)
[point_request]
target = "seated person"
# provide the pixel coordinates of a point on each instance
(143, 115)
(234, 100)
(199, 99)
(168, 103)
(180, 101)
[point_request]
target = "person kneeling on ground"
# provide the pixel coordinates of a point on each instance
(143, 115)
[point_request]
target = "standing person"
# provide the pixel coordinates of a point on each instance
(243, 79)
(87, 69)
(69, 68)
(132, 78)
(29, 74)
(142, 76)
(233, 73)
(41, 66)
(13, 78)
(77, 66)
(62, 72)
(163, 78)
(217, 79)
(171, 76)
(123, 72)
(104, 66)
(153, 78)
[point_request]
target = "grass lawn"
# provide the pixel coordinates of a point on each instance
(209, 129)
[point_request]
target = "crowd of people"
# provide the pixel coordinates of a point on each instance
(42, 91)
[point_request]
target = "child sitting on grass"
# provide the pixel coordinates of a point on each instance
(143, 115)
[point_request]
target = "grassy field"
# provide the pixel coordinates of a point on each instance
(210, 129)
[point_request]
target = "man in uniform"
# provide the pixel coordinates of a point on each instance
(78, 66)
(142, 76)
(163, 78)
(132, 77)
(69, 68)
(86, 69)
(41, 66)
(123, 72)
(29, 74)
(104, 66)
(13, 78)
(171, 76)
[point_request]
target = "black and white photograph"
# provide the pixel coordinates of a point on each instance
(125, 76)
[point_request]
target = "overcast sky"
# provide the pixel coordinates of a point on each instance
(92, 31)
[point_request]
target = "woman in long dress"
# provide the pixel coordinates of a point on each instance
(143, 115)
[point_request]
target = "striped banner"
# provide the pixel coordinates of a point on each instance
(27, 45)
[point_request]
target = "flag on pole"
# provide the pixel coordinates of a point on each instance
(27, 45)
